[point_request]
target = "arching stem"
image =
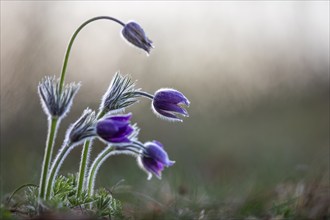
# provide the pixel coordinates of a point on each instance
(145, 94)
(68, 50)
(86, 149)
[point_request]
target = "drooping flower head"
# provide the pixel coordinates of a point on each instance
(154, 159)
(115, 129)
(83, 128)
(56, 103)
(167, 104)
(134, 34)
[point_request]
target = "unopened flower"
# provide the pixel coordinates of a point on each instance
(167, 104)
(120, 94)
(133, 33)
(154, 159)
(56, 103)
(83, 128)
(115, 129)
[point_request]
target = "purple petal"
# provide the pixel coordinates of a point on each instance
(120, 117)
(170, 107)
(125, 132)
(106, 128)
(170, 96)
(134, 34)
(158, 143)
(152, 166)
(157, 153)
(123, 140)
(166, 115)
(115, 129)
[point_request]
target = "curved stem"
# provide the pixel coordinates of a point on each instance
(145, 94)
(107, 152)
(139, 144)
(64, 151)
(53, 125)
(84, 162)
(68, 50)
(18, 189)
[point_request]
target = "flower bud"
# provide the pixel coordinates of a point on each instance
(154, 159)
(115, 129)
(134, 34)
(167, 104)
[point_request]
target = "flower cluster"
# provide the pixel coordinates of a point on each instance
(109, 124)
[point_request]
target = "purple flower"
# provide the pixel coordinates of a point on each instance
(154, 159)
(167, 104)
(115, 129)
(135, 35)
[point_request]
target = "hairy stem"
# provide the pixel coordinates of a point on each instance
(53, 126)
(145, 94)
(68, 50)
(107, 152)
(82, 168)
(86, 149)
(84, 162)
(64, 151)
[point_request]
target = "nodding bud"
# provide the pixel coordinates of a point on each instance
(167, 104)
(83, 128)
(120, 94)
(56, 103)
(133, 33)
(154, 159)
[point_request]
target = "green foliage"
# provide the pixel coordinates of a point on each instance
(31, 198)
(106, 205)
(5, 213)
(64, 200)
(284, 209)
(276, 204)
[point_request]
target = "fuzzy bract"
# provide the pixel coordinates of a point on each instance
(83, 128)
(120, 94)
(56, 103)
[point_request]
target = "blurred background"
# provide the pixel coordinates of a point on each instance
(256, 73)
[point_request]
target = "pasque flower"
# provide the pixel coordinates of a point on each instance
(167, 103)
(115, 129)
(154, 158)
(133, 33)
